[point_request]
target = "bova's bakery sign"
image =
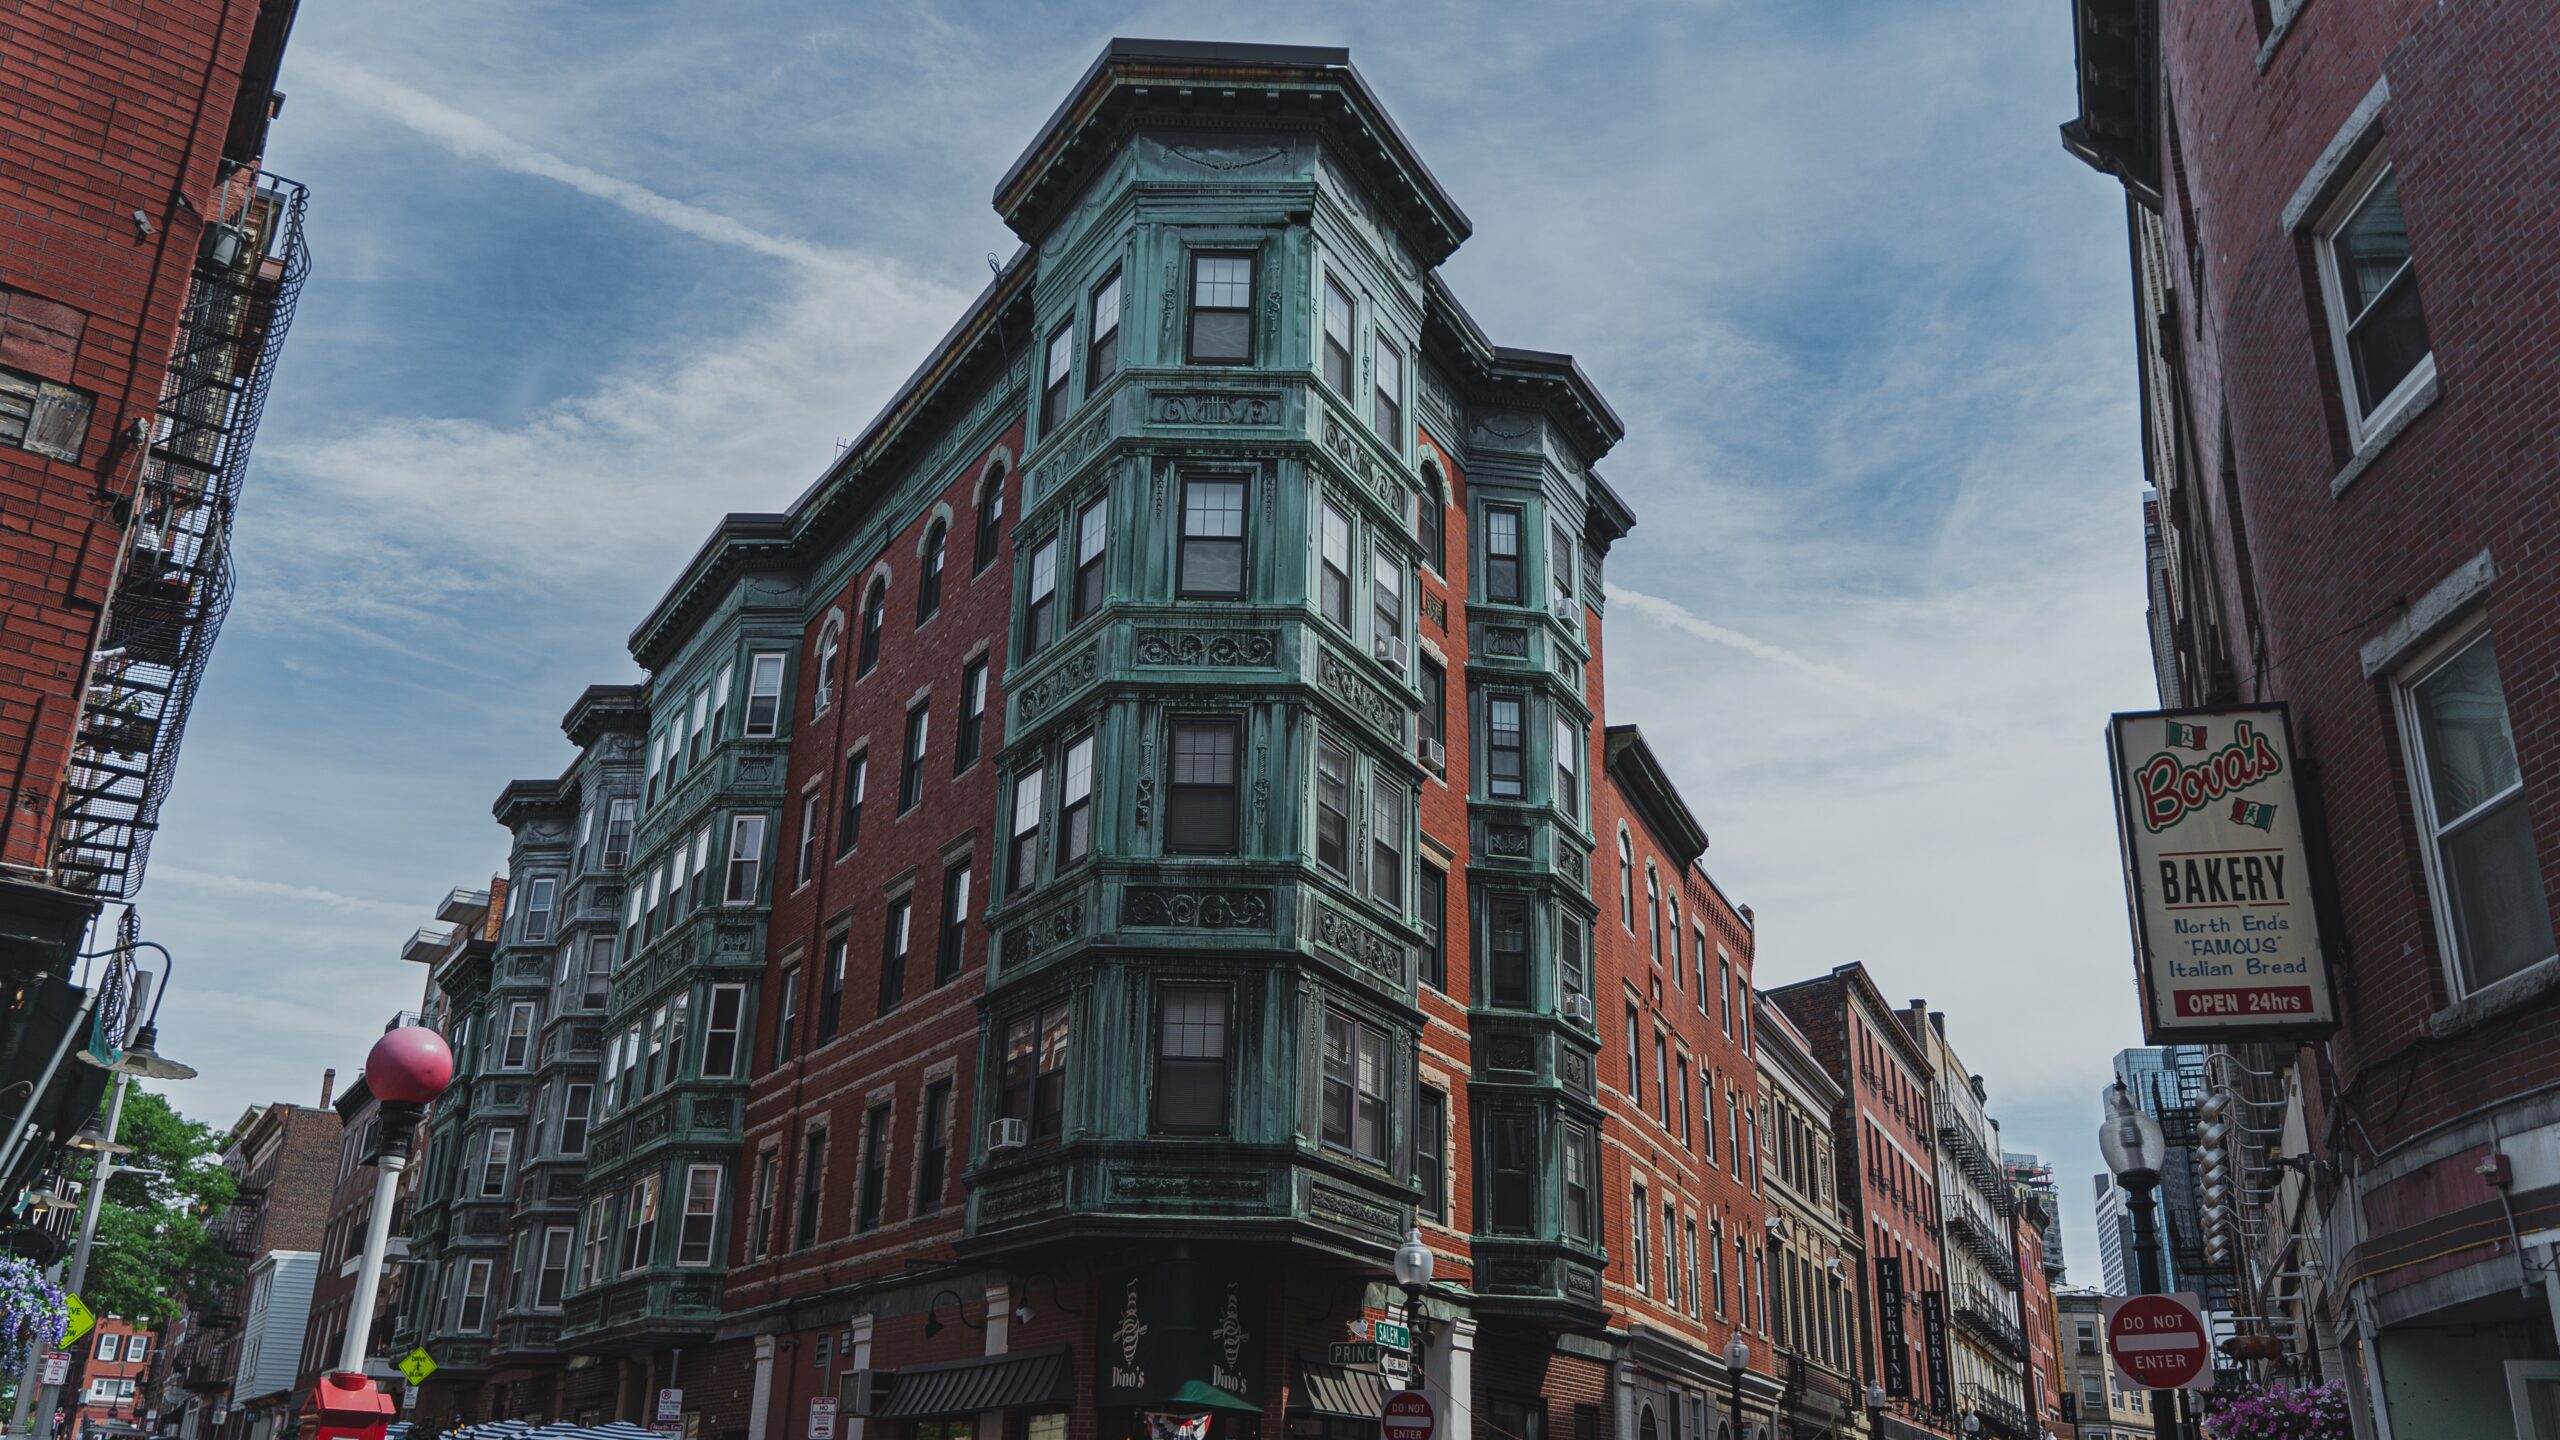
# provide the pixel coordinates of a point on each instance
(2218, 876)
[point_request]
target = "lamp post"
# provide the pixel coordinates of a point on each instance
(1413, 1276)
(2135, 1150)
(1737, 1363)
(409, 1066)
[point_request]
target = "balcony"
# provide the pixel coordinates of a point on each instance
(1983, 1312)
(1999, 1414)
(1988, 1249)
(429, 944)
(1208, 1187)
(463, 906)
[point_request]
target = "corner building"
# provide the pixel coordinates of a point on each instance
(1135, 838)
(2340, 222)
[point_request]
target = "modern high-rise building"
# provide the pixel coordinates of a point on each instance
(148, 269)
(2341, 219)
(2115, 1234)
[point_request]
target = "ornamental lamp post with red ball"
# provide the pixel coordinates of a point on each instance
(408, 1067)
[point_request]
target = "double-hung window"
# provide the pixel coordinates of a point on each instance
(875, 613)
(911, 769)
(1506, 767)
(933, 1150)
(1102, 352)
(972, 738)
(1560, 568)
(1200, 810)
(1034, 1081)
(813, 1166)
(576, 1109)
(1431, 1150)
(2493, 914)
(701, 742)
(1579, 1222)
(1333, 808)
(1507, 951)
(786, 1019)
(1022, 867)
(1221, 309)
(1387, 406)
(618, 818)
(990, 538)
(1386, 608)
(746, 859)
(1637, 1221)
(1040, 612)
(1568, 795)
(1512, 1148)
(822, 689)
(1191, 1059)
(1075, 802)
(1502, 554)
(951, 948)
(516, 1052)
(1386, 846)
(929, 581)
(474, 1311)
(875, 1170)
(1431, 522)
(1093, 531)
(857, 769)
(539, 896)
(764, 696)
(1211, 565)
(497, 1161)
(831, 986)
(720, 1031)
(2377, 328)
(893, 952)
(553, 1278)
(1431, 901)
(1435, 707)
(1337, 338)
(702, 865)
(701, 1215)
(1355, 1087)
(806, 865)
(1053, 387)
(1333, 566)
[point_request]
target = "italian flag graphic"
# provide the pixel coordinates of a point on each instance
(2250, 812)
(2190, 737)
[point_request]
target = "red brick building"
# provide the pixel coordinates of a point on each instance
(147, 271)
(2342, 217)
(1886, 1146)
(114, 1396)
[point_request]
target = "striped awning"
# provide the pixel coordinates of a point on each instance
(1032, 1378)
(1339, 1391)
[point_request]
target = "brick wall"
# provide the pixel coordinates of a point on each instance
(118, 107)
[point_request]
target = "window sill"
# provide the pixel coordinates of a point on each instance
(2390, 427)
(2532, 984)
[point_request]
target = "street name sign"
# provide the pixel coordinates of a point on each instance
(1351, 1352)
(1391, 1336)
(1407, 1415)
(2159, 1342)
(2226, 932)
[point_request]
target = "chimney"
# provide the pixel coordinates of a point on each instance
(328, 1085)
(1938, 1022)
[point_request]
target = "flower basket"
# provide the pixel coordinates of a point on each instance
(31, 1313)
(2277, 1414)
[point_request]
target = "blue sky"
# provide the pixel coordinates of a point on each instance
(587, 276)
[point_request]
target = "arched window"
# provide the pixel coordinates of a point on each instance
(1626, 881)
(1645, 1428)
(830, 650)
(929, 584)
(990, 521)
(1675, 939)
(874, 607)
(1653, 909)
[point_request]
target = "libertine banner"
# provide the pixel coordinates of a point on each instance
(2218, 876)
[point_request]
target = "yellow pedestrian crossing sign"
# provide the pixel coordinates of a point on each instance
(77, 1320)
(418, 1366)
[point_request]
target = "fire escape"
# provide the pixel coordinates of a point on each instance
(175, 583)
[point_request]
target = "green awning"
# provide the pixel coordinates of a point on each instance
(969, 1387)
(1338, 1390)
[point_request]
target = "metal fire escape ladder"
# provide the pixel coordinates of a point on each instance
(175, 585)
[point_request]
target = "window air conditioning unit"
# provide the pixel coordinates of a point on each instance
(1434, 754)
(1577, 1008)
(863, 1391)
(1394, 652)
(1007, 1134)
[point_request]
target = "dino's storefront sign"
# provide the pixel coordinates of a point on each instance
(2218, 876)
(1179, 1335)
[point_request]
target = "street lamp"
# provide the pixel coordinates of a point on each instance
(409, 1066)
(143, 1058)
(2135, 1150)
(1413, 1276)
(1737, 1362)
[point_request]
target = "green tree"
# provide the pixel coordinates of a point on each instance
(153, 1248)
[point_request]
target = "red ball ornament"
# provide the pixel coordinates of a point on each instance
(409, 1066)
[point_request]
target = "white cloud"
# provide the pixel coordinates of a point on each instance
(251, 888)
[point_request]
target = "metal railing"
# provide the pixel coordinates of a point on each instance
(174, 587)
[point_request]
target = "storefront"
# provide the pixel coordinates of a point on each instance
(1023, 1396)
(1179, 1354)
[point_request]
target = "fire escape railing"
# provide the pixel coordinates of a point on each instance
(175, 584)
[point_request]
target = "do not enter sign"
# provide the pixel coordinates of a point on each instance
(1407, 1415)
(2159, 1342)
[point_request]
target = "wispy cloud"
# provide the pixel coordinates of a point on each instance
(1677, 617)
(248, 887)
